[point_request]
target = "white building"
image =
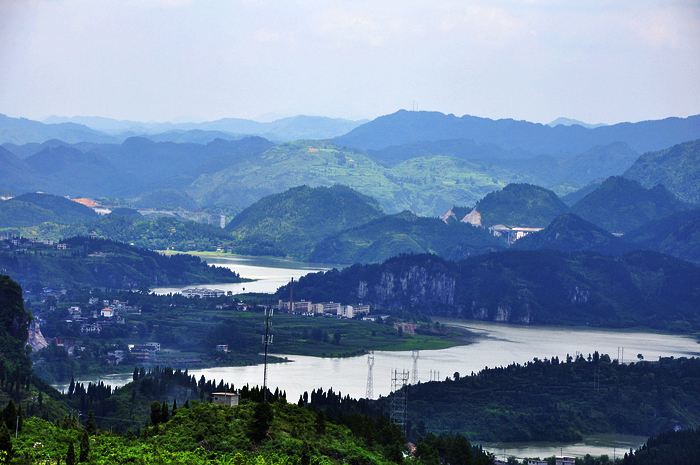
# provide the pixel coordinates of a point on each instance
(229, 399)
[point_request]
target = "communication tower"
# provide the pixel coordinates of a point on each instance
(370, 376)
(414, 378)
(267, 341)
(291, 296)
(399, 386)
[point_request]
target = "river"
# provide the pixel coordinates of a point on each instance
(497, 345)
(268, 273)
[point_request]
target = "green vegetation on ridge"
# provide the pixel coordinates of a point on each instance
(104, 263)
(405, 232)
(523, 205)
(527, 287)
(621, 205)
(292, 222)
(677, 168)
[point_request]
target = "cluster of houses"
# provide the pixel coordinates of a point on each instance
(557, 461)
(205, 293)
(109, 315)
(19, 244)
(334, 309)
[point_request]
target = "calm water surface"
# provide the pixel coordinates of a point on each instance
(269, 273)
(497, 345)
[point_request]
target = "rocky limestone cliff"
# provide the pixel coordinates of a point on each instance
(36, 339)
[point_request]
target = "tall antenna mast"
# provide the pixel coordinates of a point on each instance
(267, 340)
(370, 376)
(291, 297)
(414, 379)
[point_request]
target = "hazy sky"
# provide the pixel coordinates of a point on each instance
(597, 61)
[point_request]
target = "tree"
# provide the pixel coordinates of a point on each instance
(5, 439)
(336, 338)
(155, 412)
(84, 446)
(9, 415)
(456, 376)
(262, 419)
(320, 422)
(90, 425)
(70, 456)
(640, 357)
(164, 413)
(174, 408)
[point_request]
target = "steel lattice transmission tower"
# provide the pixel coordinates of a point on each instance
(399, 386)
(414, 377)
(370, 376)
(266, 340)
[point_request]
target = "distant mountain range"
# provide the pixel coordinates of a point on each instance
(404, 127)
(424, 176)
(281, 130)
(571, 122)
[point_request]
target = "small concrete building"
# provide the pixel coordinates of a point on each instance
(565, 460)
(225, 398)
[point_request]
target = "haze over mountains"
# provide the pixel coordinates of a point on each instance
(515, 173)
(442, 160)
(97, 129)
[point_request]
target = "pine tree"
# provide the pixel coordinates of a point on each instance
(155, 412)
(5, 439)
(174, 408)
(70, 456)
(91, 425)
(84, 446)
(164, 413)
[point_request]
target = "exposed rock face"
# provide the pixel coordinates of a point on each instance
(447, 215)
(36, 339)
(414, 286)
(473, 218)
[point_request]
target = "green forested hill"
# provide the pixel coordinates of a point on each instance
(33, 209)
(526, 287)
(621, 205)
(555, 400)
(570, 233)
(104, 263)
(427, 185)
(572, 198)
(166, 199)
(677, 168)
(155, 233)
(68, 171)
(292, 222)
(677, 235)
(523, 205)
(405, 233)
(14, 324)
